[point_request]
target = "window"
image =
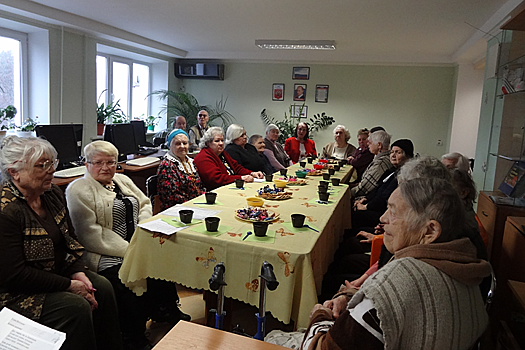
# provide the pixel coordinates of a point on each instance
(12, 51)
(124, 81)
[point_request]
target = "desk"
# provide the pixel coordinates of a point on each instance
(186, 335)
(299, 259)
(138, 174)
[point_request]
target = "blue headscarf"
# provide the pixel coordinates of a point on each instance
(174, 133)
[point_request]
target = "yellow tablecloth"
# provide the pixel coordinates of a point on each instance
(299, 258)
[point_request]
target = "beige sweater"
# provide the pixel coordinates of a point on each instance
(91, 210)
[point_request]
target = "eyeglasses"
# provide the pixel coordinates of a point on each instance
(203, 115)
(48, 164)
(100, 164)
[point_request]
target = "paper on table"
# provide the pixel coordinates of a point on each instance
(198, 213)
(258, 180)
(161, 227)
(19, 332)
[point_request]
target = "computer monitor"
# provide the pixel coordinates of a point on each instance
(139, 130)
(64, 138)
(122, 137)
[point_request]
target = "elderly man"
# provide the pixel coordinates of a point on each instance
(378, 144)
(178, 123)
(197, 131)
(456, 160)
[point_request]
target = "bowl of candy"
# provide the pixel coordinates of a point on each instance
(256, 214)
(318, 166)
(275, 193)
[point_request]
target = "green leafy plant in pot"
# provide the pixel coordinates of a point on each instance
(151, 122)
(109, 114)
(7, 115)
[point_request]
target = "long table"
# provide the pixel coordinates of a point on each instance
(300, 257)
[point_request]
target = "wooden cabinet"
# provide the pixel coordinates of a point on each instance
(493, 215)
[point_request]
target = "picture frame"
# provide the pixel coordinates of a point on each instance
(296, 109)
(301, 73)
(299, 92)
(321, 93)
(278, 92)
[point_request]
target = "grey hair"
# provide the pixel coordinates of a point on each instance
(18, 153)
(271, 127)
(345, 130)
(254, 138)
(97, 147)
(433, 199)
(424, 167)
(209, 135)
(462, 162)
(234, 131)
(380, 136)
(463, 182)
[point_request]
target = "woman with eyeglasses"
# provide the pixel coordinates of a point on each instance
(41, 276)
(105, 210)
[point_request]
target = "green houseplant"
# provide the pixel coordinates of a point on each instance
(7, 115)
(29, 124)
(109, 114)
(186, 105)
(151, 122)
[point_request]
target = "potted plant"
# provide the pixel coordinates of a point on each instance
(186, 105)
(151, 122)
(110, 113)
(7, 115)
(28, 127)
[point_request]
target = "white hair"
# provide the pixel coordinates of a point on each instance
(423, 167)
(380, 136)
(234, 131)
(271, 127)
(345, 130)
(209, 135)
(20, 152)
(462, 162)
(100, 147)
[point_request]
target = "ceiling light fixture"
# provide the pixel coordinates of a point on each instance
(296, 44)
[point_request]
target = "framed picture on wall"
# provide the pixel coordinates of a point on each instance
(299, 111)
(321, 93)
(301, 73)
(278, 92)
(299, 92)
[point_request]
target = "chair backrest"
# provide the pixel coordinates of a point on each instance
(151, 192)
(377, 243)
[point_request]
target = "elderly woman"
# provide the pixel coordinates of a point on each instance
(218, 168)
(41, 276)
(340, 149)
(257, 141)
(300, 145)
(369, 209)
(362, 156)
(456, 160)
(244, 153)
(431, 266)
(177, 178)
(274, 151)
(105, 209)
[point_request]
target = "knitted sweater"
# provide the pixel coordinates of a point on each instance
(428, 298)
(91, 209)
(213, 172)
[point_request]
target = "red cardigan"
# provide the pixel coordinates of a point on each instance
(291, 147)
(213, 173)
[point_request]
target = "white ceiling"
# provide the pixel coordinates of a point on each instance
(365, 31)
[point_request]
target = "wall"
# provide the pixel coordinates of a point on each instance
(410, 102)
(466, 110)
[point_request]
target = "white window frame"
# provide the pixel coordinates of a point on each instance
(23, 38)
(109, 81)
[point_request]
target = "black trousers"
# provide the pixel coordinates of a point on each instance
(135, 310)
(85, 329)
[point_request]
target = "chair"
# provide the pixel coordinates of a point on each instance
(375, 251)
(158, 141)
(151, 192)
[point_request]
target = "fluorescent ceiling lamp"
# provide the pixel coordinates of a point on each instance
(296, 44)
